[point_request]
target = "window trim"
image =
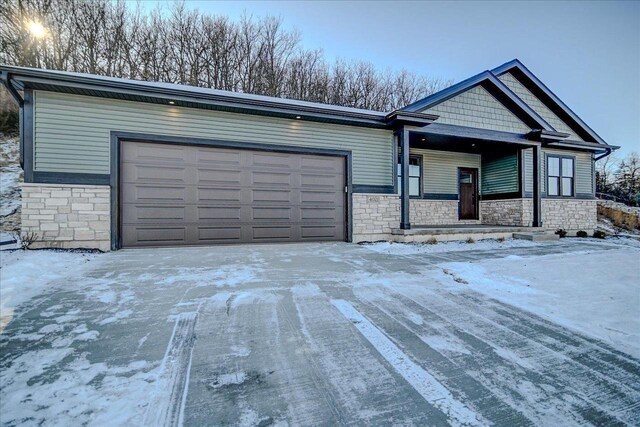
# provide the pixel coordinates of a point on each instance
(419, 158)
(560, 194)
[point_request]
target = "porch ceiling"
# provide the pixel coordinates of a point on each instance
(467, 140)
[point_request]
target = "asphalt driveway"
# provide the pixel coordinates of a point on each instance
(305, 334)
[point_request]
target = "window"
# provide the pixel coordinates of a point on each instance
(414, 176)
(559, 176)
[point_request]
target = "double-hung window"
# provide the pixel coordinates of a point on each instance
(415, 177)
(560, 176)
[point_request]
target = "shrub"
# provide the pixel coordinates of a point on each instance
(26, 240)
(500, 239)
(470, 240)
(582, 233)
(432, 241)
(599, 234)
(561, 232)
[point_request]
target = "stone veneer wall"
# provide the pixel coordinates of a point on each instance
(570, 214)
(374, 215)
(67, 216)
(514, 212)
(434, 212)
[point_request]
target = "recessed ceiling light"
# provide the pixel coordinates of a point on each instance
(172, 102)
(473, 145)
(298, 117)
(423, 139)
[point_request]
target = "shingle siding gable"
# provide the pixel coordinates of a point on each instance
(478, 108)
(538, 106)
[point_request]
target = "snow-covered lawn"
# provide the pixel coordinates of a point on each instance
(10, 175)
(595, 293)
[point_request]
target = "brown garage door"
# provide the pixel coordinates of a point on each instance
(188, 195)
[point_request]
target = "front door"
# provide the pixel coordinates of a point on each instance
(468, 187)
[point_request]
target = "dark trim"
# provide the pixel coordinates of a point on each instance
(593, 174)
(537, 202)
(394, 164)
(498, 89)
(70, 178)
(501, 196)
(379, 189)
(399, 118)
(522, 179)
(189, 96)
(546, 175)
(405, 221)
(550, 99)
(476, 192)
(580, 196)
(440, 196)
(27, 136)
(476, 134)
(116, 139)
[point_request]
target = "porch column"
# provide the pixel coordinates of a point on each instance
(403, 140)
(537, 204)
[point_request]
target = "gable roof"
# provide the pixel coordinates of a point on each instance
(523, 111)
(550, 99)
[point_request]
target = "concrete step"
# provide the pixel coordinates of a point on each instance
(536, 236)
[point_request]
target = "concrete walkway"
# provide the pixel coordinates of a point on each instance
(305, 334)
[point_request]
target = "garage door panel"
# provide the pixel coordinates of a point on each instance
(218, 176)
(278, 160)
(139, 174)
(154, 153)
(212, 195)
(218, 194)
(270, 179)
(162, 235)
(218, 157)
(227, 234)
(221, 213)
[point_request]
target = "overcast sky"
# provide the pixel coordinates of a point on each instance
(588, 53)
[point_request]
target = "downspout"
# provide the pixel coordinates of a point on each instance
(6, 81)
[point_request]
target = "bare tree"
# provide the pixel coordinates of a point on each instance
(179, 45)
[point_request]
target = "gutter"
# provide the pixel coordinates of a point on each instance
(6, 81)
(5, 76)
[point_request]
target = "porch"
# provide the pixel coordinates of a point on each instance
(454, 180)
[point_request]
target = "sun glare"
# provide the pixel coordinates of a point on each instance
(36, 29)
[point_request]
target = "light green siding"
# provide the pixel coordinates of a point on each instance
(440, 169)
(583, 170)
(523, 93)
(72, 133)
(478, 108)
(499, 173)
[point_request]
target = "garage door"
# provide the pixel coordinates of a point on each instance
(190, 195)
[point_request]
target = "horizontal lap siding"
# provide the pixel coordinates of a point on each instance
(500, 174)
(583, 170)
(440, 169)
(72, 133)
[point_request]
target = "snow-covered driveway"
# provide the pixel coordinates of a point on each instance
(327, 334)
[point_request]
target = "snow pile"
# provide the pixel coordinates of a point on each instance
(10, 175)
(26, 274)
(425, 248)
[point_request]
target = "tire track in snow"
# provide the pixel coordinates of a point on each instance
(423, 382)
(167, 405)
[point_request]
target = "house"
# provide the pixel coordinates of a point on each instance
(112, 163)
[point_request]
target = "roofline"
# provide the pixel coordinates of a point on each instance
(485, 76)
(515, 63)
(245, 103)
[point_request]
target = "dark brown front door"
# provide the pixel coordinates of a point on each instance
(468, 187)
(173, 195)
